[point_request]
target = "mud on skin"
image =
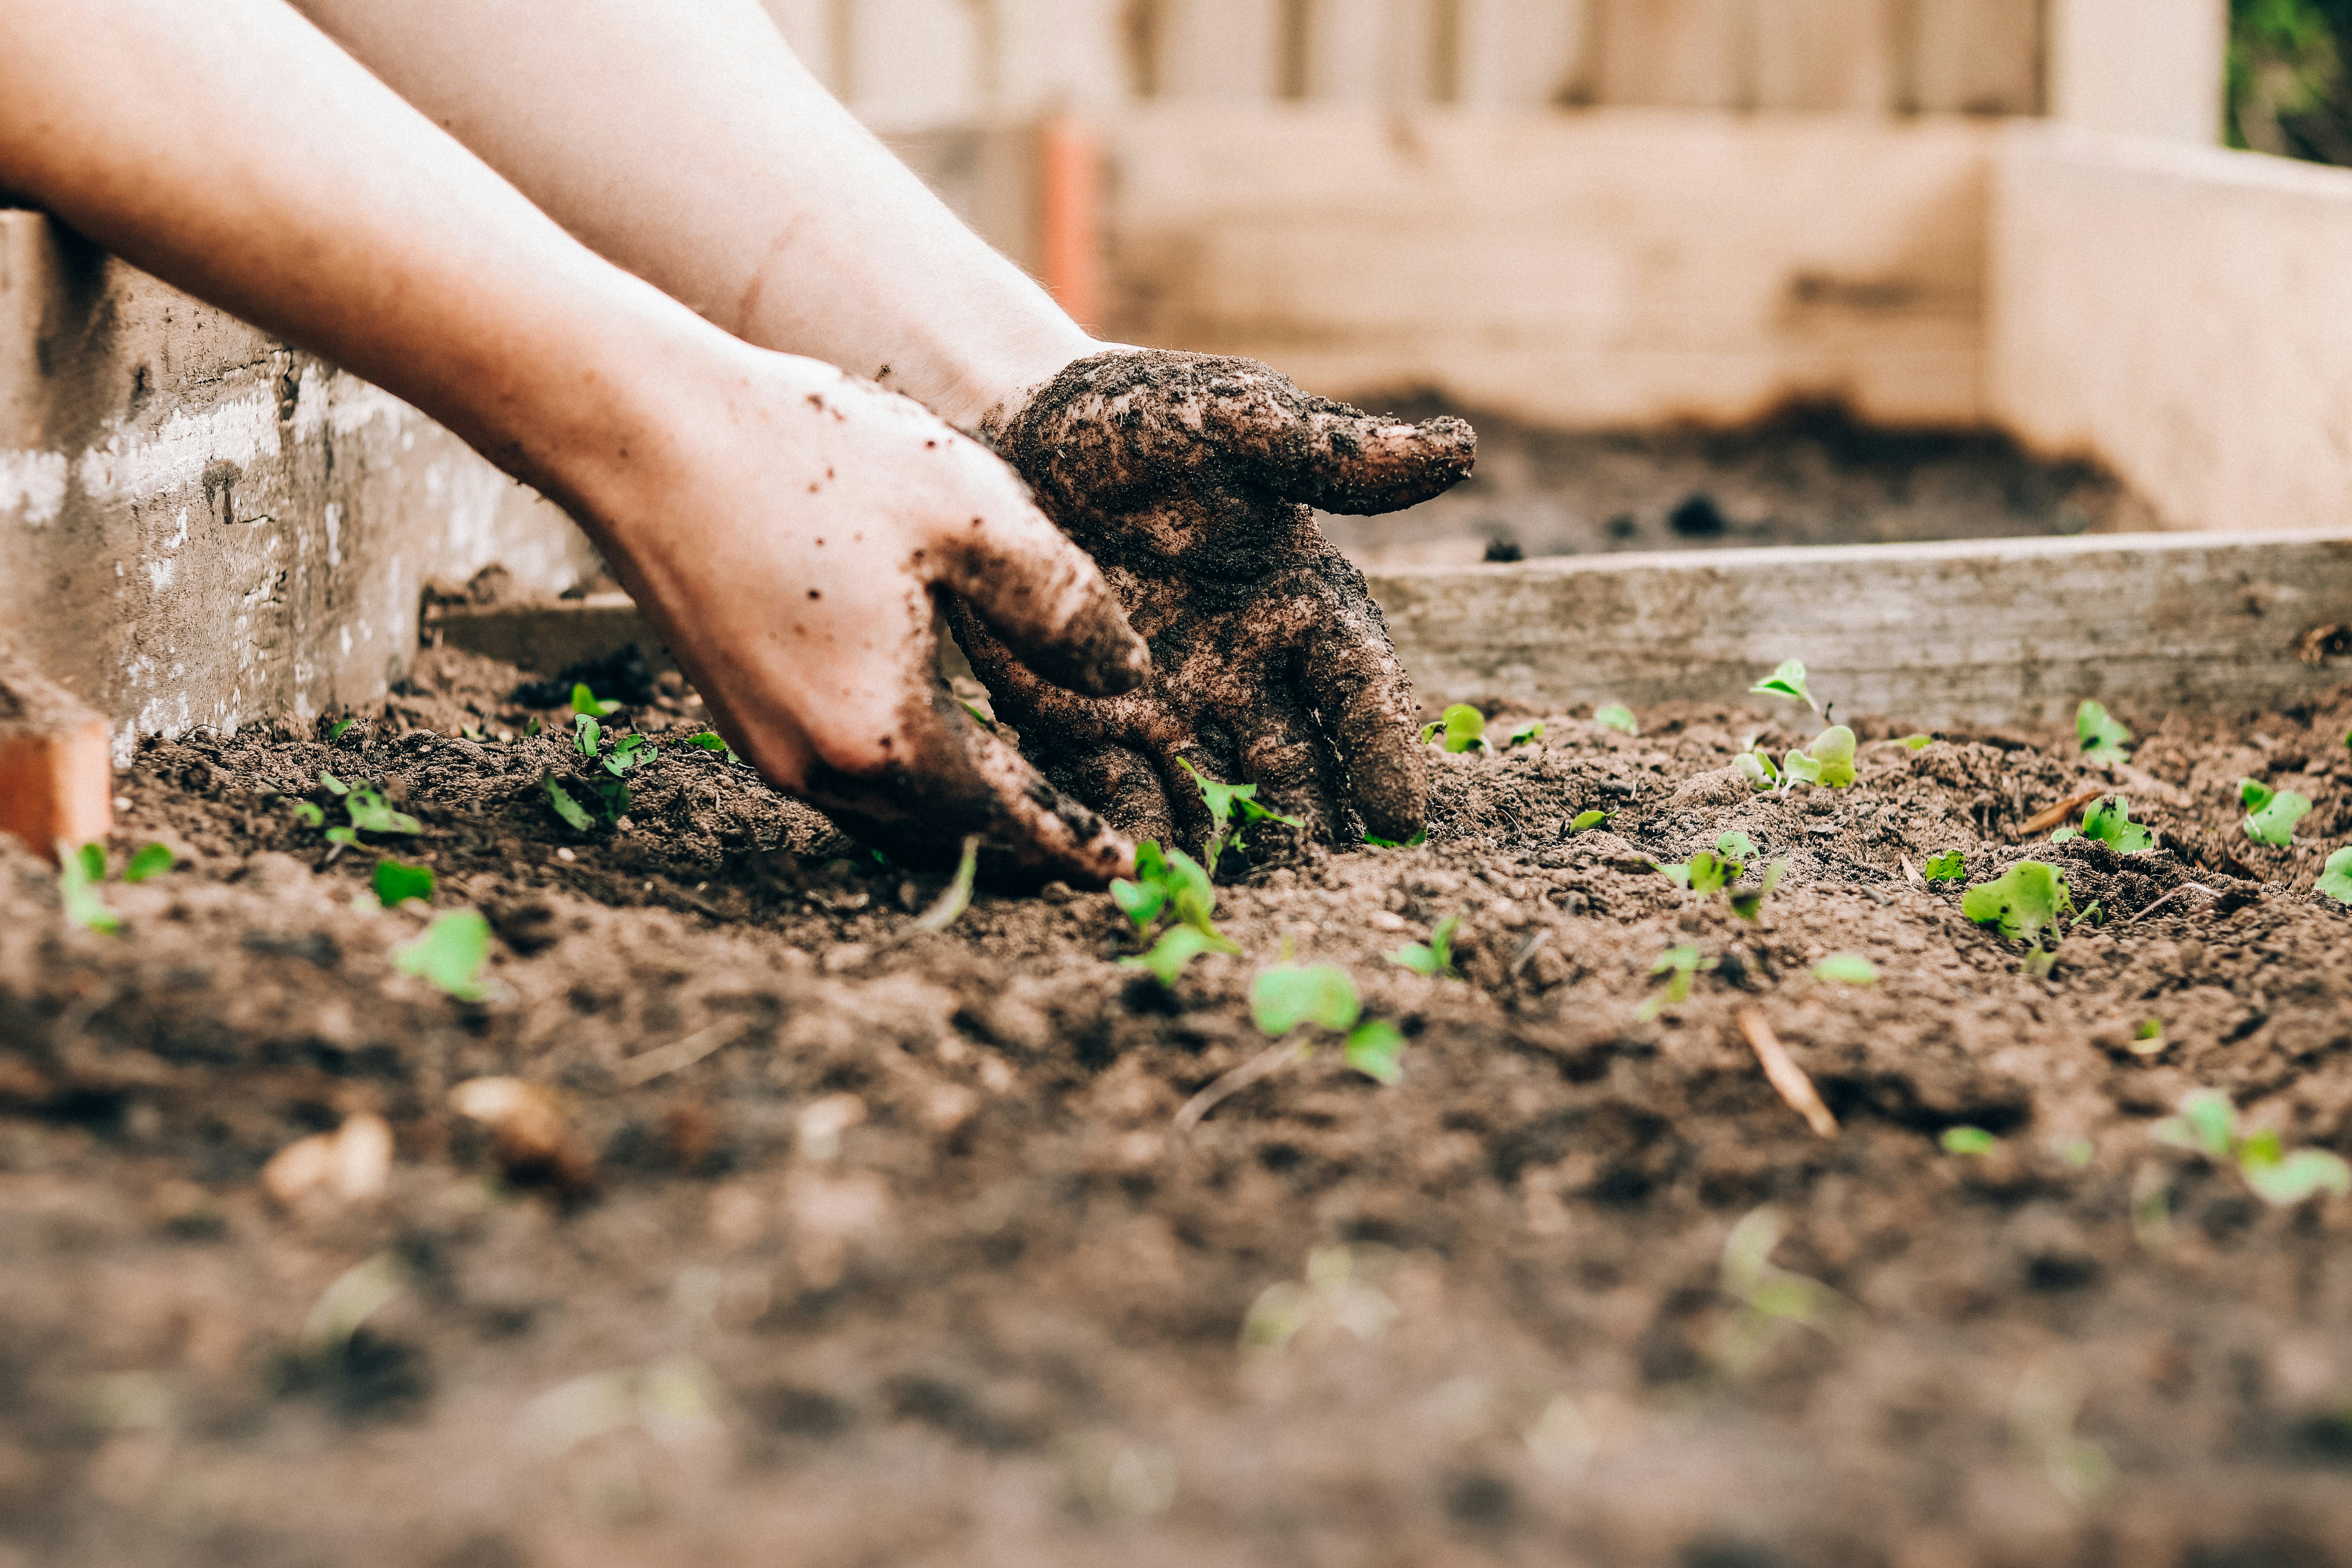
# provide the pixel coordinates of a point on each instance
(991, 1306)
(1191, 481)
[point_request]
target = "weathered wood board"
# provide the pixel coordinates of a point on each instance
(1992, 631)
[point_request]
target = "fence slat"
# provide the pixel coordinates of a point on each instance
(1676, 54)
(1221, 50)
(1523, 54)
(1824, 55)
(1977, 57)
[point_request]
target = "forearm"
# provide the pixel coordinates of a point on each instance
(691, 147)
(234, 149)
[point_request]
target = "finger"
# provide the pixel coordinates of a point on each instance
(1045, 597)
(1127, 789)
(1355, 680)
(1282, 755)
(1341, 459)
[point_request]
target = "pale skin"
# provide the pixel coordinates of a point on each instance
(624, 247)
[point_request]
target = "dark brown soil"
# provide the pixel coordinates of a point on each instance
(1809, 474)
(912, 1268)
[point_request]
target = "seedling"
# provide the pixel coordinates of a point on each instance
(951, 904)
(531, 729)
(1586, 821)
(1736, 846)
(2208, 1125)
(147, 860)
(1787, 681)
(1176, 947)
(587, 735)
(450, 955)
(1712, 870)
(1748, 903)
(1415, 842)
(332, 785)
(79, 872)
(2103, 739)
(1435, 957)
(2271, 813)
(1170, 882)
(1916, 742)
(1224, 801)
(1616, 716)
(570, 810)
(584, 703)
(369, 813)
(1681, 965)
(2147, 1040)
(1462, 726)
(610, 794)
(2026, 900)
(710, 741)
(396, 882)
(2109, 821)
(335, 731)
(2335, 876)
(1968, 1141)
(1522, 734)
(1289, 996)
(1761, 772)
(1951, 866)
(1828, 761)
(1847, 969)
(1773, 1300)
(307, 813)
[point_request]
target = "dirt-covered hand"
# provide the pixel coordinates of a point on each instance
(1192, 481)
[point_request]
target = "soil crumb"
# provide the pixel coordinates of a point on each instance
(740, 1221)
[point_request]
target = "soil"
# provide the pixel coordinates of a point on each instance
(904, 1260)
(1810, 474)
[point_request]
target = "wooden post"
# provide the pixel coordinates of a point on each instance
(1069, 217)
(56, 780)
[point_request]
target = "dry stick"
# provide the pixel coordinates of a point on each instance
(2184, 888)
(2051, 816)
(1266, 1063)
(648, 1066)
(1786, 1075)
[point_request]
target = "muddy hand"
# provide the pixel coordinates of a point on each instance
(1191, 481)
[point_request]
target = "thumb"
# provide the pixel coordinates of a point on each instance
(1326, 453)
(1046, 598)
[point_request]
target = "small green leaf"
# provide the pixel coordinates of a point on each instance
(2147, 1040)
(1522, 733)
(450, 955)
(1708, 873)
(1616, 716)
(587, 735)
(1951, 866)
(2207, 1123)
(1462, 726)
(584, 702)
(2274, 822)
(1177, 946)
(1797, 766)
(2063, 835)
(93, 862)
(1586, 821)
(979, 717)
(1847, 969)
(1139, 901)
(2101, 737)
(2294, 1177)
(1917, 742)
(334, 784)
(1433, 958)
(1284, 997)
(571, 810)
(1759, 769)
(1968, 1141)
(629, 752)
(1680, 964)
(1376, 1048)
(1832, 756)
(395, 882)
(370, 814)
(335, 731)
(2025, 902)
(1737, 847)
(2109, 821)
(77, 889)
(348, 837)
(1787, 681)
(2335, 876)
(710, 741)
(1415, 842)
(147, 860)
(307, 813)
(2254, 794)
(1748, 903)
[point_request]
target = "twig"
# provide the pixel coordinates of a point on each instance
(648, 1066)
(2184, 888)
(1786, 1075)
(1266, 1063)
(1911, 873)
(2051, 816)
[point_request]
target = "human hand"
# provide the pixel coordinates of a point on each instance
(1190, 480)
(791, 541)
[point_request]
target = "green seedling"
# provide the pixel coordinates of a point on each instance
(1170, 882)
(396, 882)
(1828, 761)
(472, 733)
(1968, 1141)
(1176, 947)
(2272, 814)
(1463, 727)
(1847, 969)
(1951, 866)
(450, 955)
(584, 703)
(710, 741)
(1225, 801)
(2147, 1040)
(1761, 772)
(1748, 903)
(2335, 876)
(79, 873)
(2102, 737)
(1415, 842)
(1916, 742)
(1522, 734)
(951, 904)
(2026, 900)
(1735, 847)
(2208, 1125)
(2109, 821)
(1773, 1300)
(1433, 958)
(574, 815)
(587, 735)
(308, 814)
(147, 860)
(1681, 965)
(1787, 681)
(630, 751)
(369, 813)
(1712, 870)
(1290, 996)
(332, 785)
(533, 728)
(335, 731)
(1616, 716)
(1586, 821)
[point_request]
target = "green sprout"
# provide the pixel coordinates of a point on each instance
(2101, 737)
(570, 810)
(1681, 965)
(1523, 734)
(2208, 1125)
(1847, 969)
(957, 898)
(369, 813)
(332, 785)
(2271, 813)
(1968, 1141)
(396, 882)
(1415, 842)
(584, 703)
(979, 717)
(80, 874)
(1464, 727)
(450, 955)
(1433, 958)
(1916, 742)
(1170, 882)
(1951, 866)
(2147, 1040)
(1224, 800)
(2026, 900)
(1748, 903)
(307, 813)
(1289, 996)
(2109, 821)
(1735, 845)
(2335, 876)
(532, 728)
(147, 860)
(1712, 870)
(1828, 761)
(711, 741)
(1586, 821)
(1787, 681)
(1772, 1300)
(1761, 772)
(335, 731)
(1176, 947)
(1616, 716)
(587, 735)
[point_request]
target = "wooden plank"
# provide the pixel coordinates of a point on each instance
(1523, 54)
(1825, 55)
(1222, 51)
(1976, 57)
(1996, 631)
(56, 780)
(1675, 54)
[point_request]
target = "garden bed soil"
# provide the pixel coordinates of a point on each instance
(902, 1260)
